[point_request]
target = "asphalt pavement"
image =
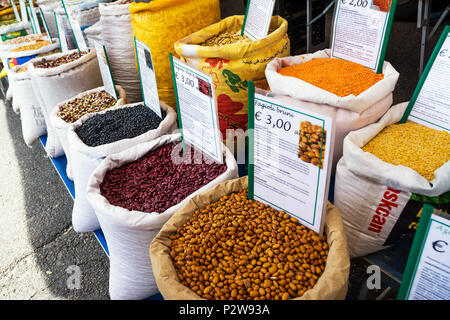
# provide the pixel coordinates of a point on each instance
(39, 249)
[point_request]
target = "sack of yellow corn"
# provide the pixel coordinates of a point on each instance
(232, 60)
(387, 172)
(352, 94)
(160, 23)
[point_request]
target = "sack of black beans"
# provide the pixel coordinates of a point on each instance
(95, 136)
(33, 123)
(59, 77)
(117, 36)
(69, 111)
(135, 192)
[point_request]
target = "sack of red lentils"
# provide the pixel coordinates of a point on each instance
(135, 192)
(232, 60)
(95, 136)
(177, 270)
(59, 77)
(33, 122)
(68, 111)
(352, 94)
(381, 201)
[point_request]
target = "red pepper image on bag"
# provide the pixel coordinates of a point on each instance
(228, 117)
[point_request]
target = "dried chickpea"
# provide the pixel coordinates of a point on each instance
(235, 249)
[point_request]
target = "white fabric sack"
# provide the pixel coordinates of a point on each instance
(117, 37)
(57, 84)
(305, 91)
(33, 122)
(129, 233)
(21, 57)
(61, 127)
(85, 159)
(364, 183)
(94, 33)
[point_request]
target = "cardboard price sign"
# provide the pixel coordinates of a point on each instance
(289, 158)
(257, 19)
(430, 103)
(105, 70)
(361, 31)
(197, 110)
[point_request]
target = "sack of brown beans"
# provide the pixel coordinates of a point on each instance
(59, 77)
(135, 192)
(33, 123)
(387, 173)
(220, 245)
(69, 111)
(352, 94)
(117, 36)
(96, 136)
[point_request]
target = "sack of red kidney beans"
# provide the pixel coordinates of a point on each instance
(155, 183)
(135, 192)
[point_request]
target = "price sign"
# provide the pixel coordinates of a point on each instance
(33, 28)
(257, 18)
(34, 18)
(16, 13)
(197, 110)
(147, 77)
(430, 103)
(47, 30)
(361, 31)
(23, 10)
(76, 29)
(427, 272)
(105, 70)
(289, 157)
(61, 34)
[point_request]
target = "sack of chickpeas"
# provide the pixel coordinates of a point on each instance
(220, 245)
(232, 60)
(59, 77)
(68, 111)
(387, 172)
(134, 192)
(352, 94)
(97, 135)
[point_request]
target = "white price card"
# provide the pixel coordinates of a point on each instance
(75, 27)
(34, 17)
(16, 13)
(197, 110)
(427, 272)
(147, 77)
(105, 70)
(61, 34)
(47, 30)
(290, 152)
(33, 28)
(23, 10)
(430, 103)
(257, 18)
(361, 31)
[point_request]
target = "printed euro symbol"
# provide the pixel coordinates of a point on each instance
(439, 244)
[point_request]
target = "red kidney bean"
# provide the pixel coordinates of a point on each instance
(154, 183)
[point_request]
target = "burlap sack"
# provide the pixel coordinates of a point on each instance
(332, 285)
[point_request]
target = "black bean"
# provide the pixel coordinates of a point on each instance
(119, 124)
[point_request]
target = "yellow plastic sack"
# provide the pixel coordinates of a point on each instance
(233, 65)
(160, 23)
